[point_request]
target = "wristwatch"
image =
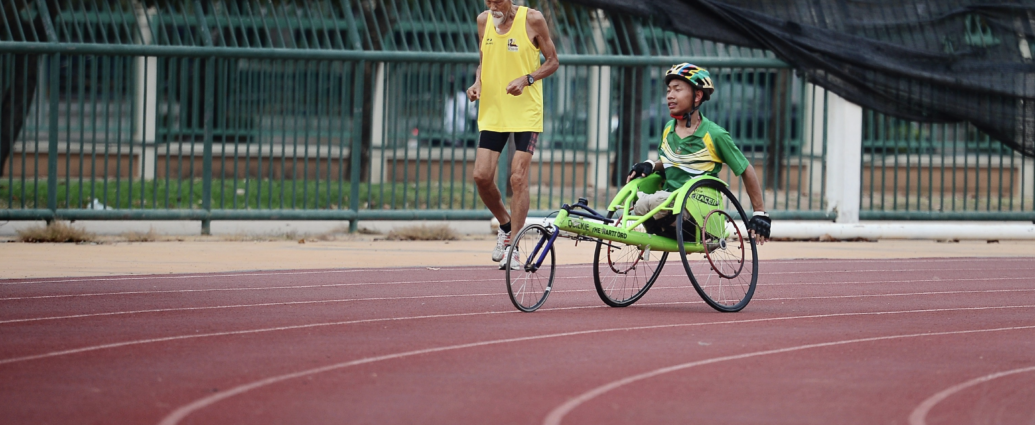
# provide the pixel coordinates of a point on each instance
(531, 79)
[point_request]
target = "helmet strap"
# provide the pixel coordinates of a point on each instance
(693, 97)
(686, 117)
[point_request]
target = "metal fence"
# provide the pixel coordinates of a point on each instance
(349, 110)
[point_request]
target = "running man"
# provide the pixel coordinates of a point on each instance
(692, 145)
(507, 83)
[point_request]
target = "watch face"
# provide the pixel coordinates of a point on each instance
(530, 79)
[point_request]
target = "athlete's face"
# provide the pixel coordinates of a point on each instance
(499, 9)
(681, 97)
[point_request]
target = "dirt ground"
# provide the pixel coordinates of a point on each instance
(211, 254)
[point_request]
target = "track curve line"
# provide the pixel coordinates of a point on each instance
(196, 276)
(253, 288)
(183, 411)
(391, 269)
(344, 323)
(334, 285)
(218, 307)
(567, 291)
(338, 271)
(919, 415)
(246, 273)
(557, 414)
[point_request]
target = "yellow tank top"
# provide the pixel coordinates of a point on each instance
(505, 57)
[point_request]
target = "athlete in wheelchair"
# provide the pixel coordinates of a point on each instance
(692, 146)
(680, 204)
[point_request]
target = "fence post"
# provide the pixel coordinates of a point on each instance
(1026, 188)
(209, 121)
(378, 127)
(53, 87)
(844, 135)
(206, 161)
(356, 151)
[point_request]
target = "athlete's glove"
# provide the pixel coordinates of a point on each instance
(642, 169)
(760, 224)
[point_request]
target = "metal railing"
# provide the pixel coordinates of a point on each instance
(354, 111)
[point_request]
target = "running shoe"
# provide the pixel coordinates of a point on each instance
(515, 263)
(502, 242)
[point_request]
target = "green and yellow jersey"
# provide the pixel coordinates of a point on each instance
(701, 153)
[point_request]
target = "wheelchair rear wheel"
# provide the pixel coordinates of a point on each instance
(725, 278)
(528, 281)
(623, 273)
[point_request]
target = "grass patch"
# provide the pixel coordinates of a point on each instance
(149, 236)
(440, 232)
(56, 231)
(290, 235)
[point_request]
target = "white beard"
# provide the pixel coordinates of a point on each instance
(498, 18)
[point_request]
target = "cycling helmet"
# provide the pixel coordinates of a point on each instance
(697, 77)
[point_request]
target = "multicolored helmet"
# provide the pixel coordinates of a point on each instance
(696, 76)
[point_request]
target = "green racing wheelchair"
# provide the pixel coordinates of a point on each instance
(628, 260)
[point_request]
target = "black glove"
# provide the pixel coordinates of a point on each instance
(642, 169)
(760, 224)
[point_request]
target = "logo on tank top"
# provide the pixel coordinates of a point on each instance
(511, 45)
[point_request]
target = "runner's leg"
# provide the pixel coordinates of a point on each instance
(485, 163)
(524, 147)
(519, 183)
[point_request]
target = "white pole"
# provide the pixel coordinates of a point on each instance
(844, 150)
(599, 109)
(812, 141)
(146, 91)
(378, 127)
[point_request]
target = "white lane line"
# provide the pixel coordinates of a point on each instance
(905, 294)
(892, 271)
(218, 307)
(194, 276)
(229, 333)
(452, 315)
(258, 273)
(247, 288)
(334, 285)
(183, 411)
(495, 294)
(557, 414)
(259, 288)
(919, 415)
(468, 268)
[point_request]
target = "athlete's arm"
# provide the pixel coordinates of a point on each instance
(539, 32)
(475, 91)
(754, 191)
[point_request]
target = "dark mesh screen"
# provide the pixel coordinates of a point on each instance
(923, 60)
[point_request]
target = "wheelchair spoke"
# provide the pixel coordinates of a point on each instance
(623, 273)
(727, 275)
(527, 284)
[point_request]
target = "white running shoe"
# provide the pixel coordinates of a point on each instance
(502, 242)
(515, 263)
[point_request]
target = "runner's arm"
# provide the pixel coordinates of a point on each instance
(538, 23)
(475, 91)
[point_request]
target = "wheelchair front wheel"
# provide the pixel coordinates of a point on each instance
(727, 275)
(623, 273)
(529, 281)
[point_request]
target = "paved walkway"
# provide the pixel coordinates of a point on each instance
(200, 255)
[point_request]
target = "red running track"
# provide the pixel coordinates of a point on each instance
(932, 341)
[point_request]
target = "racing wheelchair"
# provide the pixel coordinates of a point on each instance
(628, 260)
